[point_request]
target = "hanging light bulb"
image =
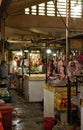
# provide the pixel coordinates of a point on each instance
(54, 54)
(48, 51)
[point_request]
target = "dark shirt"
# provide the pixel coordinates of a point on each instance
(3, 71)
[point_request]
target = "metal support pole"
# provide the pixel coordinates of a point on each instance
(2, 30)
(46, 62)
(67, 45)
(66, 26)
(29, 64)
(23, 71)
(69, 118)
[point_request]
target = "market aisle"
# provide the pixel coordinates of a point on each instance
(27, 116)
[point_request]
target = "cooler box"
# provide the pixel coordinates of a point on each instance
(6, 111)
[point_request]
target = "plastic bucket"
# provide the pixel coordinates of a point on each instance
(48, 123)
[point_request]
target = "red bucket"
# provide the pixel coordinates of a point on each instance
(48, 123)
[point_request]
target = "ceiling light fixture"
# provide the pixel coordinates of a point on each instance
(48, 51)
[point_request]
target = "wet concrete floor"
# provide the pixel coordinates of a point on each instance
(26, 115)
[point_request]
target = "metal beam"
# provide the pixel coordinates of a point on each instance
(19, 6)
(28, 21)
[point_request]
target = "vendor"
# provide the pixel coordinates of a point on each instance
(73, 68)
(50, 67)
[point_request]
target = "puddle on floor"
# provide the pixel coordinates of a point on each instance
(16, 122)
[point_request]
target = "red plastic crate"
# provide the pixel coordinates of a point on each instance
(48, 123)
(6, 111)
(1, 126)
(0, 116)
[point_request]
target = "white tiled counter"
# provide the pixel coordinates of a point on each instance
(48, 102)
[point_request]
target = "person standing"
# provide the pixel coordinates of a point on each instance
(13, 65)
(13, 70)
(3, 70)
(4, 73)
